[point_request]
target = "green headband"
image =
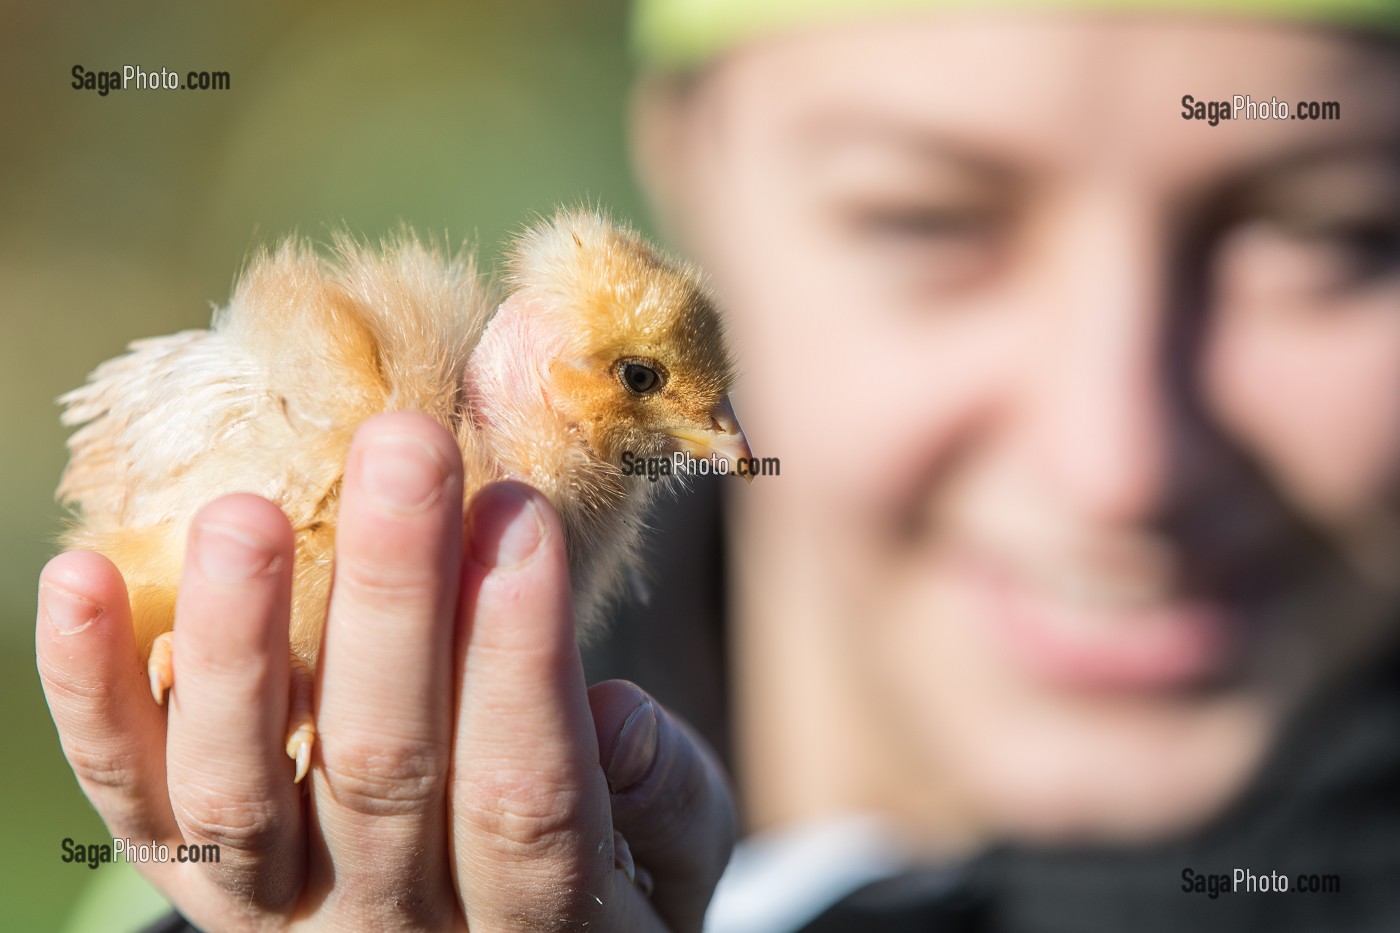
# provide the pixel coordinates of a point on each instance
(678, 34)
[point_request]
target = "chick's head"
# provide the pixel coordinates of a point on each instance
(640, 363)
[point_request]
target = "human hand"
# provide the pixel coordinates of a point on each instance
(464, 775)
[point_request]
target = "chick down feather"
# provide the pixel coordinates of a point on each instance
(267, 399)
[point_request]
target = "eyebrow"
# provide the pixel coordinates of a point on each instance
(1258, 182)
(922, 143)
(1301, 173)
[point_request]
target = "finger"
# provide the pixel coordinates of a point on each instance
(670, 800)
(531, 833)
(230, 782)
(384, 683)
(112, 733)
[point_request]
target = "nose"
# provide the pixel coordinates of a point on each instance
(1100, 396)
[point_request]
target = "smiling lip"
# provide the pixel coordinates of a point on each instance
(1150, 647)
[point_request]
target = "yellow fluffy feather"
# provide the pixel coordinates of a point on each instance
(542, 387)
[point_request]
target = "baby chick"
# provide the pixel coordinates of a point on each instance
(601, 347)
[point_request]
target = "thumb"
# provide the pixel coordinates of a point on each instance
(671, 801)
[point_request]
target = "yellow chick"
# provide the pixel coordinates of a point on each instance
(603, 353)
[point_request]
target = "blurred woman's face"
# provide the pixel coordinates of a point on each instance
(1088, 414)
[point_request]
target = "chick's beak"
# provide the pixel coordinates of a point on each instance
(724, 438)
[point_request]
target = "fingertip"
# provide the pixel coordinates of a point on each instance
(84, 645)
(76, 590)
(608, 698)
(404, 467)
(414, 425)
(236, 539)
(516, 591)
(506, 524)
(86, 573)
(627, 725)
(258, 518)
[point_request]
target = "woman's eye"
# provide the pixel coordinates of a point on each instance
(919, 226)
(921, 252)
(1340, 252)
(639, 378)
(1370, 247)
(1337, 220)
(1290, 263)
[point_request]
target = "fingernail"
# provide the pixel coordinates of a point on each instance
(634, 751)
(231, 555)
(68, 612)
(402, 473)
(505, 528)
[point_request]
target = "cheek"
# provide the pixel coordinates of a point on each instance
(865, 409)
(1316, 399)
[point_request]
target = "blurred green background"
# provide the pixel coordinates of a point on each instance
(127, 216)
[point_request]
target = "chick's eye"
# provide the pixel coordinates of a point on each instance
(639, 378)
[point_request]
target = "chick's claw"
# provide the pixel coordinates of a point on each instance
(622, 857)
(299, 743)
(161, 667)
(301, 728)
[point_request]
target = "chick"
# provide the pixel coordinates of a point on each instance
(601, 347)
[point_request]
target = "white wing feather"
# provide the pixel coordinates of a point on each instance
(266, 401)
